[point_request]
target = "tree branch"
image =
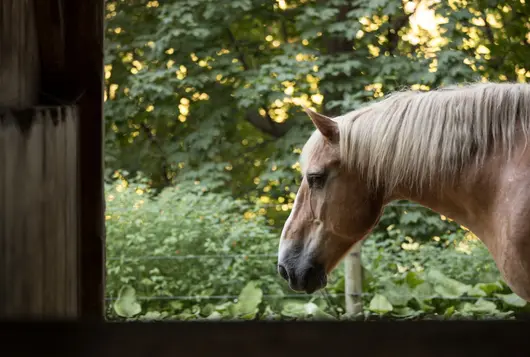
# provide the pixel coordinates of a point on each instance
(395, 26)
(336, 45)
(498, 60)
(266, 124)
(489, 32)
(154, 140)
(285, 33)
(240, 54)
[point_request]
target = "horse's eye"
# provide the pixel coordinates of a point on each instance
(316, 180)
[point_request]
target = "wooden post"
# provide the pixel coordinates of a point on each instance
(19, 64)
(38, 213)
(353, 280)
(51, 153)
(84, 24)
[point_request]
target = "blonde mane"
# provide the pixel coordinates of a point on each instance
(413, 138)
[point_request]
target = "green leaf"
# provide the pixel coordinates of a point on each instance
(423, 291)
(216, 315)
(490, 288)
(446, 287)
(298, 310)
(224, 306)
(397, 295)
(126, 304)
(449, 311)
(248, 301)
(404, 312)
(153, 315)
(512, 299)
(476, 292)
(380, 304)
(294, 309)
(339, 286)
(481, 306)
(312, 310)
(207, 310)
(411, 217)
(176, 305)
(413, 279)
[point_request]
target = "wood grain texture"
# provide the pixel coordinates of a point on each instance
(72, 218)
(34, 206)
(274, 339)
(53, 59)
(3, 282)
(39, 261)
(11, 206)
(83, 24)
(19, 61)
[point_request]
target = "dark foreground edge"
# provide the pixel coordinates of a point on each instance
(271, 339)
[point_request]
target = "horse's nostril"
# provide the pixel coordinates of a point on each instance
(314, 278)
(306, 278)
(283, 272)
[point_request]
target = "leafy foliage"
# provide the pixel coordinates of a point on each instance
(189, 253)
(200, 91)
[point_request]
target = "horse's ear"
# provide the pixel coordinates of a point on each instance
(327, 126)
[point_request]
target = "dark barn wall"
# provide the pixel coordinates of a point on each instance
(51, 152)
(38, 205)
(84, 39)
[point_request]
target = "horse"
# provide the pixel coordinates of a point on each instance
(460, 151)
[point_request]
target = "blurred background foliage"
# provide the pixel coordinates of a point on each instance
(204, 128)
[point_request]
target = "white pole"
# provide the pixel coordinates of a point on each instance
(353, 280)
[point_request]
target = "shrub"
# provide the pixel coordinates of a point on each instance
(188, 253)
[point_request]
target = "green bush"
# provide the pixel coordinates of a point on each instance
(188, 253)
(152, 241)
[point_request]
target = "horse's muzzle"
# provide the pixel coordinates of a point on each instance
(305, 277)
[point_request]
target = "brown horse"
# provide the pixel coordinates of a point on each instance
(460, 151)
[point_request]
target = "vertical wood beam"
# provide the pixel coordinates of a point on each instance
(38, 213)
(59, 64)
(84, 24)
(19, 77)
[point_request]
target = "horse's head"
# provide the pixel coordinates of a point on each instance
(333, 209)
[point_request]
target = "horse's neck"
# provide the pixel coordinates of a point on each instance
(468, 206)
(486, 200)
(495, 206)
(469, 200)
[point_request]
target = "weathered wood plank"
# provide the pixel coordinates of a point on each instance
(277, 339)
(72, 196)
(60, 216)
(84, 41)
(2, 210)
(72, 73)
(34, 207)
(12, 229)
(19, 66)
(50, 212)
(39, 258)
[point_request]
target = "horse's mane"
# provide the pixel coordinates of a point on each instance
(416, 138)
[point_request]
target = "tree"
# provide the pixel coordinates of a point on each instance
(203, 91)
